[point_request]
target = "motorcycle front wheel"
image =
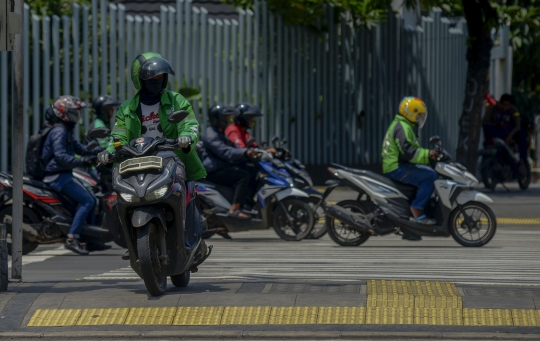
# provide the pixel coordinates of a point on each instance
(525, 181)
(319, 226)
(29, 217)
(473, 225)
(152, 269)
(343, 234)
(293, 219)
(488, 171)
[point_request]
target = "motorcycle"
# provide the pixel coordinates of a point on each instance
(382, 206)
(303, 181)
(501, 164)
(47, 214)
(279, 204)
(153, 209)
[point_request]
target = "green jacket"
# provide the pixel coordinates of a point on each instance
(128, 127)
(401, 146)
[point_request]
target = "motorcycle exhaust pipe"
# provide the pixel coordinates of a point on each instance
(356, 221)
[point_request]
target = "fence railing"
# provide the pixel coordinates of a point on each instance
(332, 94)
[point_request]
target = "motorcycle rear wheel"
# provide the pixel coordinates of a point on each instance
(481, 215)
(302, 219)
(525, 181)
(29, 217)
(182, 280)
(152, 269)
(341, 234)
(488, 176)
(319, 225)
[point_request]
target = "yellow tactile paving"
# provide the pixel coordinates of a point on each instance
(148, 316)
(388, 302)
(487, 317)
(293, 315)
(98, 317)
(246, 315)
(341, 315)
(198, 316)
(438, 316)
(381, 315)
(526, 318)
(54, 317)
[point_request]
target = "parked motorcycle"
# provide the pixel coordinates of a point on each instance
(153, 207)
(501, 164)
(383, 205)
(47, 214)
(303, 181)
(279, 204)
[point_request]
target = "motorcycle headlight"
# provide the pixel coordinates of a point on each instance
(471, 180)
(129, 197)
(158, 193)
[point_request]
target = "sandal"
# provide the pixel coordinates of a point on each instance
(236, 214)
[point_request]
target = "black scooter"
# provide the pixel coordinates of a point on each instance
(152, 207)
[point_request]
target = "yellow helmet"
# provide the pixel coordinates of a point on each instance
(414, 110)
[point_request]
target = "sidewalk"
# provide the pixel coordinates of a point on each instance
(428, 309)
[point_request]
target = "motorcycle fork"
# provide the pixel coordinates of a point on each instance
(468, 220)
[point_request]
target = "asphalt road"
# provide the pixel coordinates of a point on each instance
(512, 256)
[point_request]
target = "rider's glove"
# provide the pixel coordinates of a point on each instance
(89, 160)
(104, 157)
(184, 142)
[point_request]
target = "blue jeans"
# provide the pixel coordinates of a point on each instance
(422, 177)
(67, 184)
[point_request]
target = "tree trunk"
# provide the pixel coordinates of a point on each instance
(480, 15)
(470, 122)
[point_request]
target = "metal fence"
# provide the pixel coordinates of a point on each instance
(331, 94)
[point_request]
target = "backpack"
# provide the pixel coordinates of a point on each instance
(35, 166)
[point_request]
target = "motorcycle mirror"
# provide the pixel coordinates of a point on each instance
(284, 141)
(435, 140)
(99, 133)
(177, 116)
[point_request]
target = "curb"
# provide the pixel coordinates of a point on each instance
(267, 335)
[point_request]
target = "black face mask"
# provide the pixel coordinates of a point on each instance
(152, 87)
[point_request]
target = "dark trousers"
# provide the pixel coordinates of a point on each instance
(234, 177)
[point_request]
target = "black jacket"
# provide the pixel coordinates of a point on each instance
(219, 152)
(59, 150)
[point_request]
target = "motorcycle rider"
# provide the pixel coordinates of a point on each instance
(223, 160)
(59, 157)
(503, 120)
(145, 115)
(404, 159)
(104, 108)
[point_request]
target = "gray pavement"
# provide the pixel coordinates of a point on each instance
(257, 269)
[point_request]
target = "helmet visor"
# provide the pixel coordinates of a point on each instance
(154, 67)
(421, 120)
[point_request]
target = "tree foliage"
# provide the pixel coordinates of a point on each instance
(55, 7)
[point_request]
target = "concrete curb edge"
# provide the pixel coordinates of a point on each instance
(262, 335)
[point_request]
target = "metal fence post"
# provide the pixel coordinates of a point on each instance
(3, 259)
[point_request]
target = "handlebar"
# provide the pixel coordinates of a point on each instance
(161, 144)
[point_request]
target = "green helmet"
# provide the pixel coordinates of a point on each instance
(148, 65)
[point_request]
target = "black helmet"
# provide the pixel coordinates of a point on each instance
(102, 104)
(247, 111)
(218, 115)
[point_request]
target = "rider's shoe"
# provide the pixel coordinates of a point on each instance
(125, 256)
(75, 246)
(224, 234)
(423, 219)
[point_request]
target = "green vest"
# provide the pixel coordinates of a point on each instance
(401, 146)
(128, 127)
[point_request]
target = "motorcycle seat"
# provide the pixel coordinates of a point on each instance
(28, 180)
(227, 192)
(408, 190)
